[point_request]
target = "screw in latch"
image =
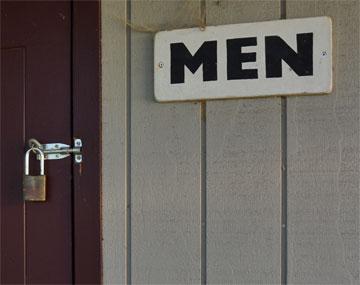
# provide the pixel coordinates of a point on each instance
(77, 142)
(78, 158)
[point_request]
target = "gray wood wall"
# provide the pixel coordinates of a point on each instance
(254, 191)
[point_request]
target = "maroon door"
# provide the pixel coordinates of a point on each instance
(49, 86)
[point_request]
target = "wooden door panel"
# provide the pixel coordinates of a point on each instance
(12, 129)
(43, 30)
(49, 85)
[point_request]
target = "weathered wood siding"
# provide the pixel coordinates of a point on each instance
(253, 191)
(243, 172)
(323, 160)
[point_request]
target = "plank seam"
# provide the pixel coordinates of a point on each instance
(284, 234)
(284, 190)
(203, 266)
(203, 195)
(72, 34)
(128, 145)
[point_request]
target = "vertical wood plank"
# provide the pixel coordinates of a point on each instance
(243, 172)
(323, 160)
(12, 109)
(114, 125)
(48, 83)
(165, 160)
(87, 182)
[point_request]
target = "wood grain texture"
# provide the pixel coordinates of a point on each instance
(243, 172)
(165, 160)
(48, 83)
(87, 182)
(12, 109)
(323, 160)
(114, 130)
(243, 159)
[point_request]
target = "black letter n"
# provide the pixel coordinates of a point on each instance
(206, 56)
(301, 62)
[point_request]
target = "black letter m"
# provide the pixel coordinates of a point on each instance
(206, 56)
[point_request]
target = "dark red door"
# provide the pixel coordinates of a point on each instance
(42, 56)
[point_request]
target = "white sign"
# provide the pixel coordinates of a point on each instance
(285, 57)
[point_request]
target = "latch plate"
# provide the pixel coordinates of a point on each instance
(50, 150)
(54, 151)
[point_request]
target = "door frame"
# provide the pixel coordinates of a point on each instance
(86, 96)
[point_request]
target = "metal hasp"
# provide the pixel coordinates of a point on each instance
(59, 150)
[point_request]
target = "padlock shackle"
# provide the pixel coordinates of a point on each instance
(42, 159)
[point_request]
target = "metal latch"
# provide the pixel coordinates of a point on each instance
(58, 150)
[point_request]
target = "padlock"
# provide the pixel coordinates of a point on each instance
(34, 187)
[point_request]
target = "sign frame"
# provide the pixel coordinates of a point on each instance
(197, 85)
